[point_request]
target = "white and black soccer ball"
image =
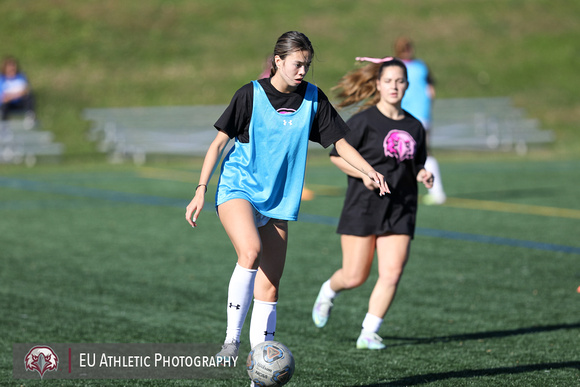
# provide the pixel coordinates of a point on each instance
(270, 363)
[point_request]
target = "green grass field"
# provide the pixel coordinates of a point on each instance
(98, 253)
(109, 53)
(102, 254)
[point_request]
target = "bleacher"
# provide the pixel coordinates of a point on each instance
(136, 133)
(460, 124)
(24, 143)
(485, 124)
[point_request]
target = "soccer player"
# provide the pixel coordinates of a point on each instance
(418, 101)
(261, 179)
(393, 141)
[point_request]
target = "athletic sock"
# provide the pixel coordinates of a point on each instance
(433, 166)
(371, 323)
(327, 291)
(263, 322)
(240, 291)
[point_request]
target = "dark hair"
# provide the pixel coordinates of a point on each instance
(393, 62)
(288, 43)
(9, 60)
(361, 84)
(403, 47)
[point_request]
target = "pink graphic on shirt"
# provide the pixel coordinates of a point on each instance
(400, 145)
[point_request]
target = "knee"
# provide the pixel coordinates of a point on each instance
(391, 277)
(354, 281)
(249, 258)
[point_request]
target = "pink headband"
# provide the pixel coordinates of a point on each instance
(374, 60)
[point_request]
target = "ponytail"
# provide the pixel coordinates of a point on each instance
(361, 84)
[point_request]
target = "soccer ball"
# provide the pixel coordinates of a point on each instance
(270, 363)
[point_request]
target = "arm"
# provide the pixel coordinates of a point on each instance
(352, 171)
(8, 97)
(357, 166)
(210, 162)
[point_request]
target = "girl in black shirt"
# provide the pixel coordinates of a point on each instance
(393, 142)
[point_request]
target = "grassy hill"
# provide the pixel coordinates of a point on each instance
(108, 53)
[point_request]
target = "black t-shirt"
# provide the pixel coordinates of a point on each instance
(327, 127)
(397, 150)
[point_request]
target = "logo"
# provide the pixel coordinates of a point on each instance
(400, 145)
(272, 353)
(41, 359)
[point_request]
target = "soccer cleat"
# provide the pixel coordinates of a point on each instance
(229, 349)
(321, 310)
(369, 340)
(434, 199)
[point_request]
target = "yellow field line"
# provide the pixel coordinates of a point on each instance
(471, 204)
(512, 208)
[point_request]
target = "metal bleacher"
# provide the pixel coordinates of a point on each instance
(136, 133)
(460, 124)
(23, 142)
(485, 124)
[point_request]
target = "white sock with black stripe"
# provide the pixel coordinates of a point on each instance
(263, 323)
(240, 291)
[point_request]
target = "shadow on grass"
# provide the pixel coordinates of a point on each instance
(434, 377)
(479, 335)
(469, 373)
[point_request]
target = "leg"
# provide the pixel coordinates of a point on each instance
(436, 193)
(357, 258)
(392, 252)
(28, 102)
(4, 109)
(237, 217)
(274, 236)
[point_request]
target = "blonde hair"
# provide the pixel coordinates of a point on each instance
(361, 84)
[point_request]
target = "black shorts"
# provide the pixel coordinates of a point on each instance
(366, 213)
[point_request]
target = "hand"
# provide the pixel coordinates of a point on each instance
(194, 208)
(370, 183)
(380, 181)
(426, 178)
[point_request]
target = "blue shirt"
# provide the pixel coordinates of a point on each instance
(268, 171)
(16, 84)
(417, 100)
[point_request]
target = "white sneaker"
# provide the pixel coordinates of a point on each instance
(369, 340)
(321, 310)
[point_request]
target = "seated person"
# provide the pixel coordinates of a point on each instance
(15, 93)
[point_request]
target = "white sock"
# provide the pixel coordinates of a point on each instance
(263, 323)
(433, 166)
(240, 291)
(371, 323)
(327, 291)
